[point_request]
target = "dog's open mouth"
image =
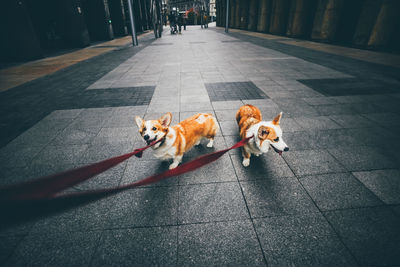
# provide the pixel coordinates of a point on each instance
(277, 150)
(149, 141)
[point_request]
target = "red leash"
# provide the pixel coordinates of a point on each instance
(46, 188)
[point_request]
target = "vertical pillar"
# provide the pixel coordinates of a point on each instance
(279, 15)
(385, 25)
(117, 13)
(244, 13)
(264, 13)
(237, 14)
(252, 25)
(232, 13)
(326, 20)
(366, 21)
(300, 18)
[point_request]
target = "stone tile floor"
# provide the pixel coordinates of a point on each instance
(332, 200)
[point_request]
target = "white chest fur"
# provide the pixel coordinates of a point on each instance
(167, 150)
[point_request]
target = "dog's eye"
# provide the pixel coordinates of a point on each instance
(154, 128)
(144, 128)
(276, 139)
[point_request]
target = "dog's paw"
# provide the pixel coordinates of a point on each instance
(173, 166)
(211, 143)
(246, 162)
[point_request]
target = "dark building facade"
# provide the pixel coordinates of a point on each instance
(184, 5)
(370, 24)
(31, 28)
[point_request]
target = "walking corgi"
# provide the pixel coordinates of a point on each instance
(178, 139)
(266, 133)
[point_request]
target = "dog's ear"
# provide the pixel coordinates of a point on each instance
(263, 132)
(277, 119)
(165, 119)
(139, 121)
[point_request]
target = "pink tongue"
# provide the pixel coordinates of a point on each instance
(280, 153)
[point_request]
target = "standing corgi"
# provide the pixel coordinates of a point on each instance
(179, 138)
(266, 133)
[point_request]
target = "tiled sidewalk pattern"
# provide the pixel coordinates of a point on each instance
(332, 200)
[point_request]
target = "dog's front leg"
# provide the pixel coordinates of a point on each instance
(246, 156)
(175, 163)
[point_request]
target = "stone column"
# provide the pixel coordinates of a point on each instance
(301, 14)
(237, 14)
(252, 18)
(244, 13)
(279, 16)
(326, 19)
(264, 12)
(232, 13)
(385, 25)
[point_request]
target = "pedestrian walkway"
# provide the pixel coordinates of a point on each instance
(333, 199)
(14, 76)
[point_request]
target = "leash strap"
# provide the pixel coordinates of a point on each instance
(46, 188)
(43, 187)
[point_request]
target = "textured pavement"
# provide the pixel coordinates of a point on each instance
(332, 200)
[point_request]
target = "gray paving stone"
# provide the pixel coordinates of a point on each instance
(61, 154)
(300, 141)
(289, 125)
(211, 202)
(338, 191)
(7, 246)
(303, 240)
(226, 115)
(230, 105)
(154, 246)
(107, 179)
(71, 136)
(334, 138)
(219, 171)
(335, 109)
(152, 206)
(316, 123)
(358, 158)
(266, 166)
(222, 243)
(102, 151)
(371, 234)
(229, 128)
(137, 169)
(18, 156)
(384, 119)
(276, 197)
(309, 162)
(294, 107)
(55, 249)
(374, 136)
(81, 218)
(199, 106)
(64, 114)
(317, 101)
(383, 183)
(351, 121)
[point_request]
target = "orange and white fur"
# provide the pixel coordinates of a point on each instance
(266, 133)
(179, 138)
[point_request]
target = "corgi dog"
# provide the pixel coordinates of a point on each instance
(178, 139)
(266, 133)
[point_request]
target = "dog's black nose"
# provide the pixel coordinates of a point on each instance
(146, 137)
(286, 149)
